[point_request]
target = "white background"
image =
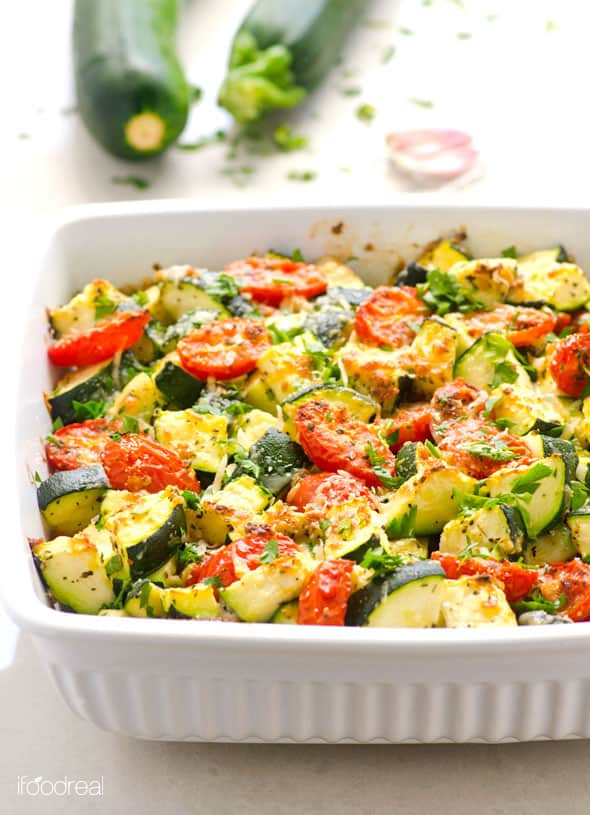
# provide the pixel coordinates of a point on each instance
(519, 85)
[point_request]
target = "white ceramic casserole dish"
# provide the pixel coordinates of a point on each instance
(167, 679)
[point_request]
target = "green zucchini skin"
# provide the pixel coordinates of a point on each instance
(126, 66)
(149, 554)
(279, 459)
(283, 50)
(69, 499)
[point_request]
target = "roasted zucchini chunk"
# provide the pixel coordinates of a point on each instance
(226, 512)
(79, 571)
(495, 531)
(257, 595)
(491, 361)
(194, 602)
(474, 602)
(200, 439)
(149, 526)
(277, 459)
(358, 405)
(487, 280)
(70, 499)
(179, 388)
(544, 278)
(579, 526)
(92, 384)
(556, 545)
(408, 598)
(95, 301)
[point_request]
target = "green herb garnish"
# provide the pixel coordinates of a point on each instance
(130, 424)
(188, 554)
(301, 175)
(284, 137)
(132, 181)
(495, 449)
(270, 552)
(377, 462)
(88, 410)
(509, 252)
(443, 293)
(381, 561)
(366, 113)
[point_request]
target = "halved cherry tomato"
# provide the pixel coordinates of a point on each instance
(224, 349)
(455, 400)
(325, 595)
(573, 580)
(334, 441)
(383, 318)
(135, 463)
(269, 280)
(78, 445)
(99, 343)
(411, 423)
(570, 363)
(322, 490)
(517, 581)
(247, 551)
(457, 447)
(522, 325)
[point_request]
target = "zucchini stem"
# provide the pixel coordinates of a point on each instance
(258, 80)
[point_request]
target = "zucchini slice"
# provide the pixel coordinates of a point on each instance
(198, 438)
(180, 389)
(556, 545)
(144, 599)
(579, 525)
(430, 359)
(226, 512)
(257, 595)
(544, 279)
(132, 93)
(496, 531)
(406, 460)
(184, 289)
(96, 300)
(359, 406)
(79, 571)
(92, 384)
(442, 255)
(542, 446)
(538, 491)
(149, 526)
(426, 501)
(139, 398)
(70, 499)
(286, 614)
(409, 598)
(524, 409)
(195, 602)
(278, 459)
(252, 426)
(475, 602)
(489, 280)
(490, 361)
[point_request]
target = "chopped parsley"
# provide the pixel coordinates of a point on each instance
(301, 175)
(530, 482)
(504, 372)
(380, 561)
(432, 448)
(284, 137)
(88, 410)
(132, 181)
(464, 35)
(214, 581)
(580, 494)
(443, 293)
(509, 252)
(57, 423)
(37, 477)
(406, 32)
(205, 141)
(366, 113)
(495, 449)
(536, 602)
(140, 298)
(377, 462)
(222, 287)
(270, 552)
(351, 90)
(113, 565)
(102, 306)
(191, 499)
(130, 424)
(421, 103)
(403, 527)
(388, 54)
(188, 554)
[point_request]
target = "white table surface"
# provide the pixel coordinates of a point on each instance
(519, 85)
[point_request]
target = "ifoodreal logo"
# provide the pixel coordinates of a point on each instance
(40, 787)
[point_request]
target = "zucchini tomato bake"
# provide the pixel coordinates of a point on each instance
(279, 442)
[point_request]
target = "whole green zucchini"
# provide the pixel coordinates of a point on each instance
(282, 50)
(132, 93)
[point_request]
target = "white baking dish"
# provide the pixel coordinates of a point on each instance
(165, 679)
